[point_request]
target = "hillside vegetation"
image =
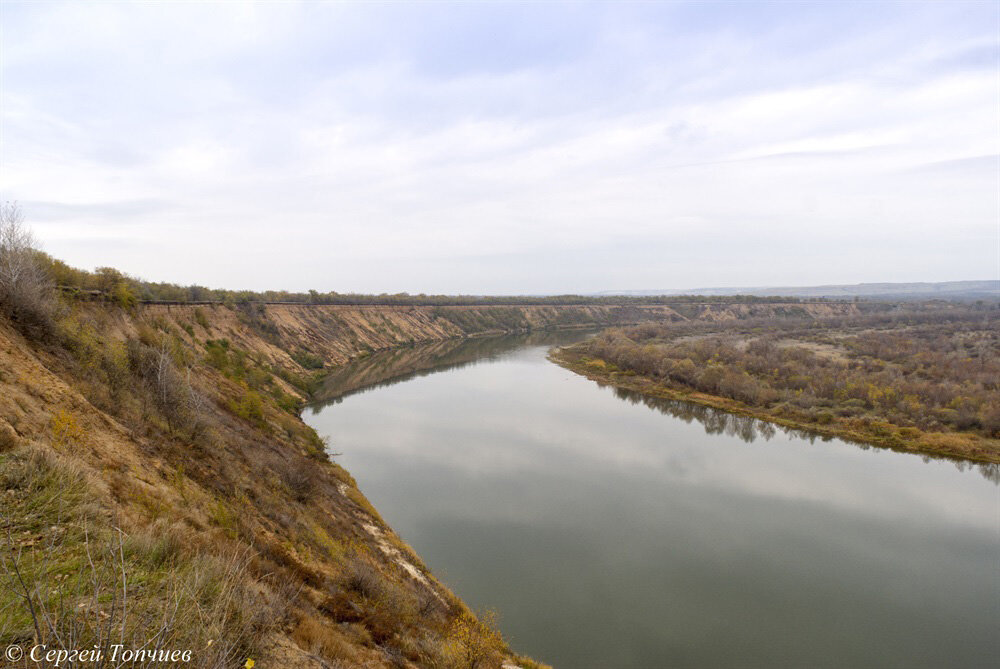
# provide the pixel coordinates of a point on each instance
(158, 489)
(921, 377)
(109, 283)
(177, 464)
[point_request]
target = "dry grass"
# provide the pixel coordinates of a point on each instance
(231, 533)
(72, 578)
(328, 641)
(9, 438)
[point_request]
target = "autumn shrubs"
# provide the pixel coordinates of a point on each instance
(139, 377)
(921, 371)
(409, 625)
(146, 367)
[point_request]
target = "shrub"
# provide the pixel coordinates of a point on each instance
(824, 417)
(362, 578)
(320, 638)
(307, 360)
(168, 388)
(989, 418)
(121, 294)
(66, 430)
(250, 407)
(217, 353)
(474, 643)
(300, 477)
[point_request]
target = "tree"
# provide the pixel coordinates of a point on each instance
(16, 247)
(107, 278)
(25, 288)
(123, 296)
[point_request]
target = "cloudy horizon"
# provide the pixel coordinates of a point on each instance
(507, 148)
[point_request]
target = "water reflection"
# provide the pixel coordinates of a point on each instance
(386, 368)
(749, 429)
(715, 421)
(610, 535)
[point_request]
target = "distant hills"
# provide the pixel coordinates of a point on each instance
(949, 290)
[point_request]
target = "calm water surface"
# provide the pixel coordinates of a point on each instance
(609, 531)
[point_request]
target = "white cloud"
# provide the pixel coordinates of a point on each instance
(398, 149)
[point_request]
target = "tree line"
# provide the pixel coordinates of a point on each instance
(931, 367)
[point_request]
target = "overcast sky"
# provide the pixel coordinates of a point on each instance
(509, 148)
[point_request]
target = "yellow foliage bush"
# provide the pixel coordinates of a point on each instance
(66, 430)
(474, 643)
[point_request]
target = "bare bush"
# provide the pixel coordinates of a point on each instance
(300, 477)
(170, 389)
(25, 289)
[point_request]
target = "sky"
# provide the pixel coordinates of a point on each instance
(514, 148)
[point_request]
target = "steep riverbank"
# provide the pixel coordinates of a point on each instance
(166, 439)
(335, 333)
(166, 443)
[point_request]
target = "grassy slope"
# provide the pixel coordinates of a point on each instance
(235, 522)
(878, 433)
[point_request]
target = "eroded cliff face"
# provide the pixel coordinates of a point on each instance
(159, 453)
(338, 333)
(166, 445)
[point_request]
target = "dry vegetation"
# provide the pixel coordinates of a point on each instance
(159, 490)
(108, 283)
(924, 377)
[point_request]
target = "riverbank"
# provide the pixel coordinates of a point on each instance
(172, 434)
(882, 434)
(181, 425)
(556, 501)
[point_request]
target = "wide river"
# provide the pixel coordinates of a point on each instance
(611, 531)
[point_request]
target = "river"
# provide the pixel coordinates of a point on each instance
(612, 531)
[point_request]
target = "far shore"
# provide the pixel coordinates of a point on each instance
(954, 445)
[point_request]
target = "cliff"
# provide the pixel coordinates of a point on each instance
(160, 490)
